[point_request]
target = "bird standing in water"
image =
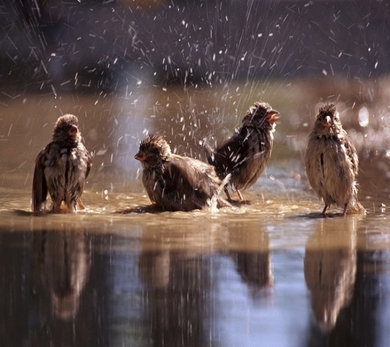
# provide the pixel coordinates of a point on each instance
(332, 162)
(61, 168)
(246, 154)
(174, 182)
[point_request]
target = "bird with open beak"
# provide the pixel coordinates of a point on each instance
(247, 153)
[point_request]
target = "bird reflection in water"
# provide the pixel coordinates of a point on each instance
(177, 286)
(255, 270)
(330, 269)
(63, 260)
(253, 262)
(178, 273)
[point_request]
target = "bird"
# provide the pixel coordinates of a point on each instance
(332, 162)
(246, 154)
(174, 182)
(61, 169)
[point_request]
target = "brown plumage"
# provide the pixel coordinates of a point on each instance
(61, 168)
(332, 162)
(174, 182)
(246, 154)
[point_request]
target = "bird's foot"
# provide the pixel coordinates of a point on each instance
(240, 198)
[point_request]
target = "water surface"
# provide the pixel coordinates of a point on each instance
(268, 272)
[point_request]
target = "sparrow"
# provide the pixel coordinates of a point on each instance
(174, 182)
(61, 168)
(332, 162)
(246, 154)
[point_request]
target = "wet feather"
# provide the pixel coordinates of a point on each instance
(61, 169)
(247, 153)
(174, 182)
(332, 162)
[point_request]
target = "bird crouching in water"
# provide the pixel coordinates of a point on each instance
(246, 154)
(61, 168)
(174, 182)
(332, 162)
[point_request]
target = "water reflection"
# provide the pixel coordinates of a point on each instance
(62, 263)
(82, 282)
(44, 275)
(180, 277)
(177, 272)
(330, 268)
(254, 266)
(349, 285)
(178, 287)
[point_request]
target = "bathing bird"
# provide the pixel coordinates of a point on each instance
(61, 169)
(247, 153)
(332, 162)
(174, 182)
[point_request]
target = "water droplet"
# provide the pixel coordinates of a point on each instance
(363, 117)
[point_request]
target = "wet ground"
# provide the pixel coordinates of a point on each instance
(269, 272)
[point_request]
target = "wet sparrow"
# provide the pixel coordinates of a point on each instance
(61, 168)
(332, 162)
(173, 182)
(246, 154)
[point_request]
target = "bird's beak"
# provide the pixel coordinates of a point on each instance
(73, 130)
(272, 116)
(327, 122)
(139, 156)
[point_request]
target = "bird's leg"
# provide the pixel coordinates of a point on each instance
(239, 195)
(345, 210)
(56, 208)
(227, 193)
(324, 210)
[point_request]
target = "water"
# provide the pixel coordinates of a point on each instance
(268, 272)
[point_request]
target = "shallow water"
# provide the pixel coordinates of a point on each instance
(122, 274)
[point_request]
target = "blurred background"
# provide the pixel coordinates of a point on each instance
(108, 46)
(189, 70)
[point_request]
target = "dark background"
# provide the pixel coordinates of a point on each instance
(96, 45)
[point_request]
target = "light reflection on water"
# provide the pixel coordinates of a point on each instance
(120, 273)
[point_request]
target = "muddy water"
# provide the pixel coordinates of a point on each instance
(123, 274)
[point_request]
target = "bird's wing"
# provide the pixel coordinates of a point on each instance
(187, 173)
(314, 161)
(351, 153)
(189, 178)
(39, 188)
(89, 164)
(233, 152)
